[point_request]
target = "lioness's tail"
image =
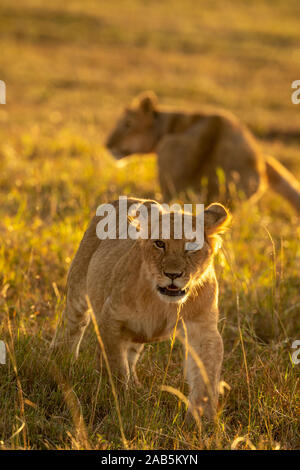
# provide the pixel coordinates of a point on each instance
(282, 181)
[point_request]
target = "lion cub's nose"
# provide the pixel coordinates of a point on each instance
(173, 275)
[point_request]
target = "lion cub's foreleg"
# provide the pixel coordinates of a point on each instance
(122, 354)
(134, 351)
(71, 328)
(207, 343)
(122, 358)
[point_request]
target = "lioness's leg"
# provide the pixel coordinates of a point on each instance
(71, 328)
(207, 344)
(134, 351)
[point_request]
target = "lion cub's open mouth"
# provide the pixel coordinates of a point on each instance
(172, 290)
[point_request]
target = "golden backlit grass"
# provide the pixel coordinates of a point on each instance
(69, 69)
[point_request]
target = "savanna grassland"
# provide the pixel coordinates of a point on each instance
(69, 68)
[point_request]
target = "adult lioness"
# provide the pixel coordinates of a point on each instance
(192, 146)
(140, 289)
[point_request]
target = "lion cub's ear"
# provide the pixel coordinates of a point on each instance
(146, 102)
(216, 219)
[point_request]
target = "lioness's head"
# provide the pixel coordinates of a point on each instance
(176, 266)
(136, 130)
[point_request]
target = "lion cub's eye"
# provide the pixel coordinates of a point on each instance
(159, 244)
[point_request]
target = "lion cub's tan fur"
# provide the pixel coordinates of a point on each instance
(122, 279)
(209, 152)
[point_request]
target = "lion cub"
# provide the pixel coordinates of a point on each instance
(140, 290)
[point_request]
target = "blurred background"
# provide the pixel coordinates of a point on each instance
(70, 68)
(73, 65)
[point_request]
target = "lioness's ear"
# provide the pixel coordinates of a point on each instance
(146, 102)
(216, 218)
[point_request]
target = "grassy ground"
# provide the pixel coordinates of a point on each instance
(69, 68)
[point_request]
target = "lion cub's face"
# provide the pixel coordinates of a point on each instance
(135, 131)
(173, 268)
